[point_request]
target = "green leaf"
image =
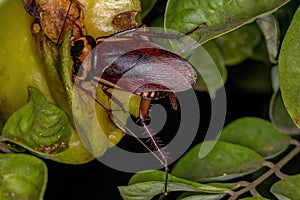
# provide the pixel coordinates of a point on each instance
(287, 188)
(284, 16)
(145, 185)
(53, 58)
(225, 161)
(280, 117)
(224, 185)
(147, 190)
(260, 53)
(270, 29)
(9, 147)
(157, 22)
(1, 126)
(275, 78)
(256, 134)
(38, 126)
(205, 20)
(289, 69)
(22, 177)
(76, 153)
(198, 196)
(93, 122)
(239, 44)
(65, 66)
(210, 68)
(147, 6)
(254, 198)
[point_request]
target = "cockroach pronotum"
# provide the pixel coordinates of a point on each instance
(151, 67)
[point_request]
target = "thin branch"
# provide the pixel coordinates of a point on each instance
(275, 169)
(254, 192)
(279, 174)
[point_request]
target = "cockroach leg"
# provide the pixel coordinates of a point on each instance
(173, 101)
(115, 100)
(144, 108)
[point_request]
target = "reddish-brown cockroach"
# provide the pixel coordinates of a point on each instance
(151, 67)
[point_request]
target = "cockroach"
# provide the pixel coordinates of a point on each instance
(149, 73)
(151, 67)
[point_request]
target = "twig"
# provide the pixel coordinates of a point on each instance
(275, 169)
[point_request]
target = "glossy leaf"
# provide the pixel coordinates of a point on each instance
(76, 153)
(270, 29)
(98, 124)
(157, 22)
(87, 125)
(1, 126)
(288, 188)
(147, 6)
(197, 196)
(147, 184)
(205, 20)
(147, 190)
(225, 161)
(38, 126)
(289, 69)
(284, 16)
(50, 54)
(65, 67)
(260, 53)
(22, 177)
(254, 198)
(9, 147)
(210, 68)
(231, 186)
(256, 134)
(239, 44)
(275, 78)
(280, 117)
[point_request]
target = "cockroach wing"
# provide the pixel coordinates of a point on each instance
(150, 69)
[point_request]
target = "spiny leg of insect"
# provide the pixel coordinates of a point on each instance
(144, 108)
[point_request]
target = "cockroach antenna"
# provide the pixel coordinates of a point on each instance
(65, 20)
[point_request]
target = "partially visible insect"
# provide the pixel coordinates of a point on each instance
(147, 71)
(129, 62)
